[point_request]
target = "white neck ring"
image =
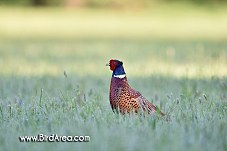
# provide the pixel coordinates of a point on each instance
(120, 76)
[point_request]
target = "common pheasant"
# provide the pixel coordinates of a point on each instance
(122, 97)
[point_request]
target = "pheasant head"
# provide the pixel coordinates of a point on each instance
(117, 67)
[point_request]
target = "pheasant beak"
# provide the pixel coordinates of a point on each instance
(107, 64)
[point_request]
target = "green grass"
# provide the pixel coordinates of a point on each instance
(195, 102)
(186, 78)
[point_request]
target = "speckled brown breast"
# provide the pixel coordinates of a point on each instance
(120, 96)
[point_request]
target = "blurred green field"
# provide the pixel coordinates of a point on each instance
(167, 21)
(176, 59)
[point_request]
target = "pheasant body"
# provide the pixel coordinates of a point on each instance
(122, 97)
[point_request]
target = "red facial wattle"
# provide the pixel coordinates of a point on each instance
(113, 64)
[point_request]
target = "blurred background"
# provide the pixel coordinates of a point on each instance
(187, 19)
(103, 3)
(167, 37)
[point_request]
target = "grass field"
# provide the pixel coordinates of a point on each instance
(183, 72)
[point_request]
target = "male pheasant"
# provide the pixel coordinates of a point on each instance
(122, 97)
